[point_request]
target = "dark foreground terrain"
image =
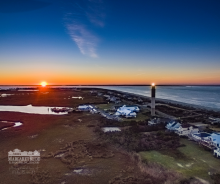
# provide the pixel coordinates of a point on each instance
(74, 150)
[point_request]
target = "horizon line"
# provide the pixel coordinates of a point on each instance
(114, 85)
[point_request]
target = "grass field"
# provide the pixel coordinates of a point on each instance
(140, 116)
(216, 129)
(198, 162)
(105, 106)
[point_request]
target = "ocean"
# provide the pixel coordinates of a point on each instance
(201, 96)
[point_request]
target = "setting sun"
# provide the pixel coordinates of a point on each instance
(43, 84)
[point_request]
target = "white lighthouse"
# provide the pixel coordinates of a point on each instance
(153, 91)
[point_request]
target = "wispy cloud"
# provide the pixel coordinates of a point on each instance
(81, 17)
(85, 41)
(96, 12)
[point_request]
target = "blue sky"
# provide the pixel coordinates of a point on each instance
(110, 41)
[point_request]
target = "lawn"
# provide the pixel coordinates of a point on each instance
(198, 162)
(141, 116)
(216, 129)
(105, 106)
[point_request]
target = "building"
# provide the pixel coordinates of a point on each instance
(127, 111)
(199, 136)
(186, 129)
(214, 120)
(215, 140)
(173, 125)
(216, 152)
(153, 92)
(84, 107)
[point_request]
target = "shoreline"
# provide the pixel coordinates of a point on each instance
(158, 100)
(166, 101)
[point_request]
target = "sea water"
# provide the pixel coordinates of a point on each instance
(201, 96)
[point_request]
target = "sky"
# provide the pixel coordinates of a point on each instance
(107, 42)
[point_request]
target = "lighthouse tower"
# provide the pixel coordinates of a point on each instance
(153, 91)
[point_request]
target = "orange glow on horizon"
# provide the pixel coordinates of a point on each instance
(103, 77)
(43, 84)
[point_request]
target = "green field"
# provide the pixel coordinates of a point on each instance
(105, 106)
(140, 117)
(198, 162)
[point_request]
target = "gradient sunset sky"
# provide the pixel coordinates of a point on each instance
(84, 42)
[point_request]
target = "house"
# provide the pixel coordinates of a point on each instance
(216, 152)
(127, 111)
(131, 107)
(107, 96)
(158, 121)
(140, 100)
(173, 125)
(215, 140)
(93, 92)
(93, 111)
(86, 108)
(214, 120)
(99, 94)
(186, 129)
(153, 121)
(117, 101)
(200, 136)
(114, 99)
(83, 107)
(130, 114)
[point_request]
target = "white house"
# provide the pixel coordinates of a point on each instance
(93, 92)
(127, 111)
(130, 114)
(214, 120)
(86, 108)
(186, 130)
(216, 152)
(131, 108)
(114, 99)
(153, 121)
(200, 136)
(215, 140)
(83, 107)
(173, 125)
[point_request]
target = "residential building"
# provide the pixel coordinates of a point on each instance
(186, 129)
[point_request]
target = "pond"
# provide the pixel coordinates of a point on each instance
(16, 124)
(32, 109)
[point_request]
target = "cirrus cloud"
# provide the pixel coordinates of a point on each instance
(85, 41)
(80, 19)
